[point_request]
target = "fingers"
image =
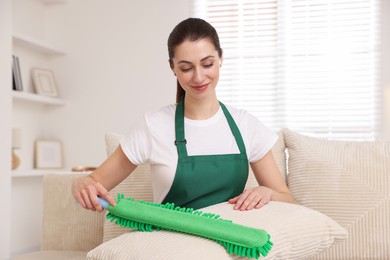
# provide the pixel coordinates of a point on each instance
(109, 198)
(81, 200)
(234, 200)
(250, 199)
(240, 201)
(247, 201)
(87, 200)
(261, 203)
(103, 193)
(86, 190)
(93, 195)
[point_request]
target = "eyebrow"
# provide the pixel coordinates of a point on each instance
(205, 58)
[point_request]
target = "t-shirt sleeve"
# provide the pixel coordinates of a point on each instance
(136, 144)
(261, 139)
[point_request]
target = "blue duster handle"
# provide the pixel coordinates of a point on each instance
(103, 202)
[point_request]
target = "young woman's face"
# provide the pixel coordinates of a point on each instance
(196, 65)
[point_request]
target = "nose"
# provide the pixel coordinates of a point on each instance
(198, 76)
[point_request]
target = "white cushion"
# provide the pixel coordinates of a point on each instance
(349, 182)
(296, 231)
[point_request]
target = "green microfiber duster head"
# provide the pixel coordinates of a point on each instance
(147, 216)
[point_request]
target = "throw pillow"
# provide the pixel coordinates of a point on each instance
(305, 232)
(349, 182)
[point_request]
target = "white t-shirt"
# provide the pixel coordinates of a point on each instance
(152, 140)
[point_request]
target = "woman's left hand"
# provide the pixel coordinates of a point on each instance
(252, 198)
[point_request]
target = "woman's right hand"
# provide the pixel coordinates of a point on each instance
(113, 171)
(86, 190)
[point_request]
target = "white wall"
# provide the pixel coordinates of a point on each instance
(116, 69)
(385, 76)
(5, 133)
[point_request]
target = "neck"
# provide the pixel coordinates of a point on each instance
(200, 109)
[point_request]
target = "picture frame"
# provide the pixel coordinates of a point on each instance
(48, 154)
(44, 82)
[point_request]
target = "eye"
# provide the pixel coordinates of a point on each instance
(209, 65)
(185, 69)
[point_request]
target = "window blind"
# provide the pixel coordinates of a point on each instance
(311, 66)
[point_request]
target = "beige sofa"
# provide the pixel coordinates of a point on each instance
(342, 189)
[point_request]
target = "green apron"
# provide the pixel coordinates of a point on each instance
(205, 180)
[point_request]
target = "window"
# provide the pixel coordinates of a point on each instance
(311, 66)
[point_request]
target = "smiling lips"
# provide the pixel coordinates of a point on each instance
(200, 88)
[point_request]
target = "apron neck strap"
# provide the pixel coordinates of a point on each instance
(181, 142)
(234, 128)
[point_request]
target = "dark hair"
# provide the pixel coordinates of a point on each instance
(191, 29)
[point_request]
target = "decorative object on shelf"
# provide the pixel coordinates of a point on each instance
(48, 154)
(16, 144)
(83, 169)
(16, 74)
(44, 82)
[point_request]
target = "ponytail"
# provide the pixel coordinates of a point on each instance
(180, 93)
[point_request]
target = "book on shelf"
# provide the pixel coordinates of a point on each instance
(16, 74)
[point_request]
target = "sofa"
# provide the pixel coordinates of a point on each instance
(342, 211)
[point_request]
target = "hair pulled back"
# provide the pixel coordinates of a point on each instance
(191, 29)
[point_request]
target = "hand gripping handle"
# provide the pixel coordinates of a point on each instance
(103, 202)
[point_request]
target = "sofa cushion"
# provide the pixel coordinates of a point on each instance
(80, 229)
(138, 184)
(305, 232)
(53, 255)
(349, 182)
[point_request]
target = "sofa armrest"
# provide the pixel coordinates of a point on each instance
(66, 225)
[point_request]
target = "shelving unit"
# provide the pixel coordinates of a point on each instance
(34, 98)
(35, 45)
(29, 113)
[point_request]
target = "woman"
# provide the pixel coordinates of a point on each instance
(198, 149)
